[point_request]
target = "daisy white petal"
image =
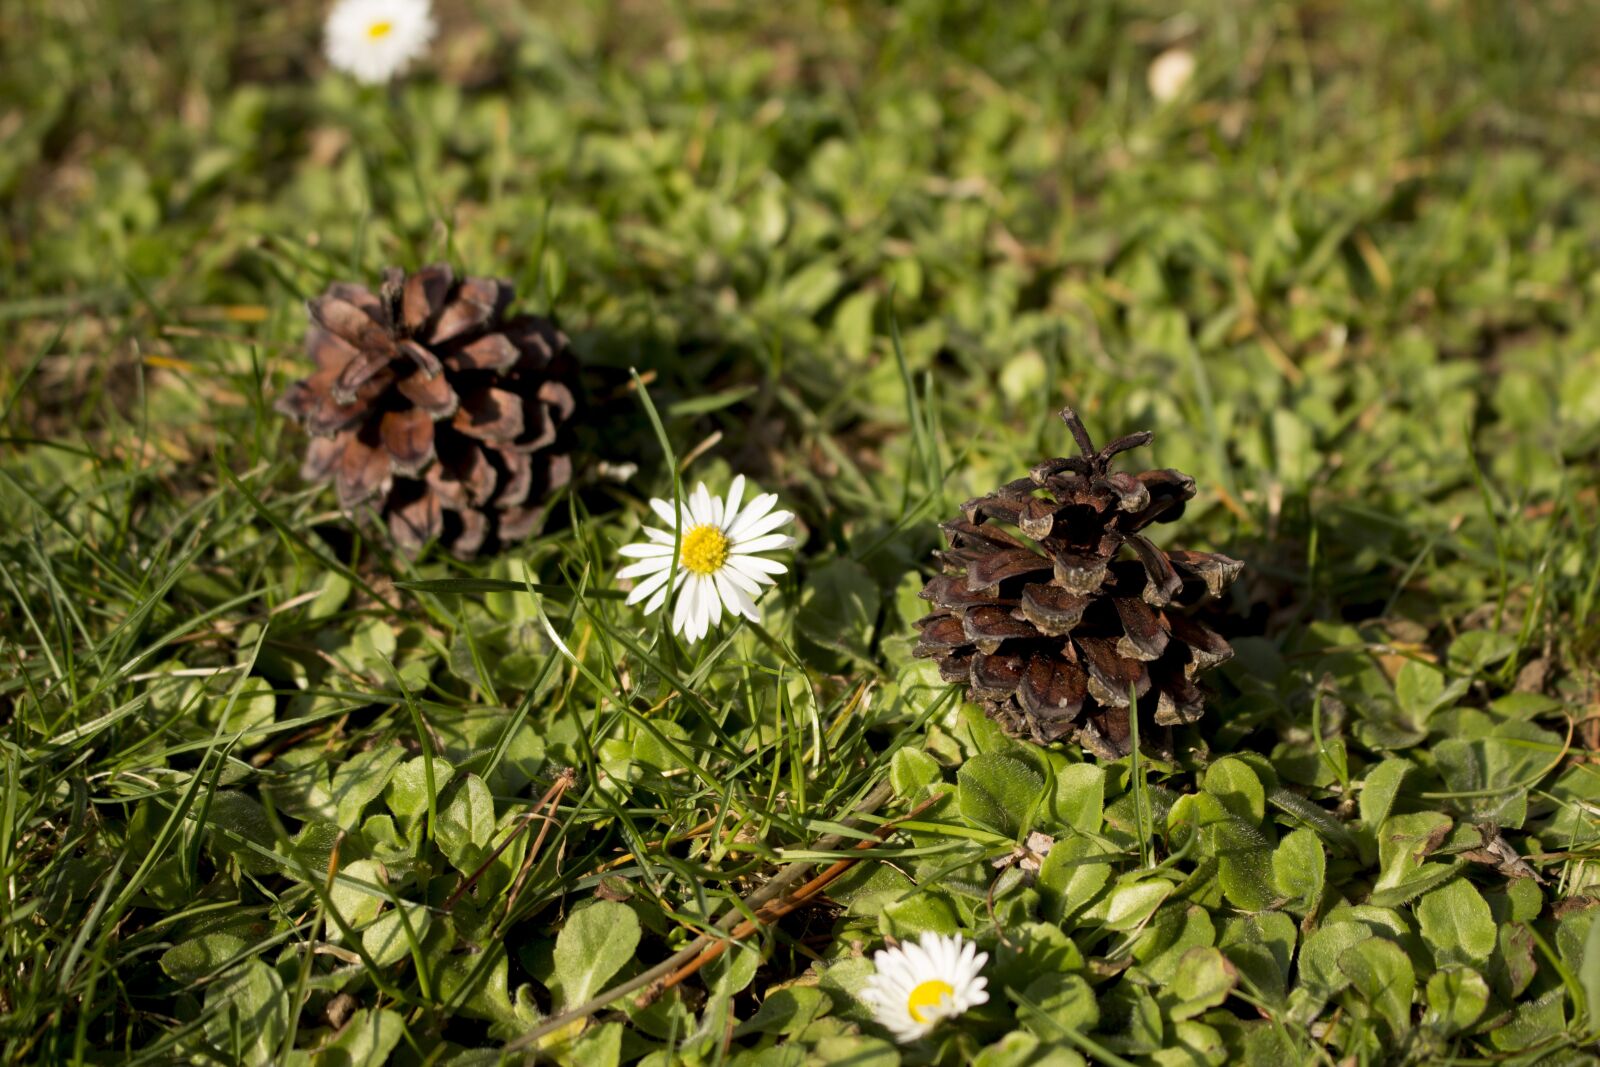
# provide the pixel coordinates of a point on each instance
(646, 566)
(711, 603)
(681, 611)
(751, 531)
(756, 568)
(757, 564)
(663, 509)
(644, 551)
(730, 509)
(769, 543)
(738, 601)
(754, 513)
(657, 600)
(700, 507)
(699, 610)
(657, 581)
(740, 579)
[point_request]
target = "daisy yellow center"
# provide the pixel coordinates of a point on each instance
(927, 995)
(705, 549)
(379, 30)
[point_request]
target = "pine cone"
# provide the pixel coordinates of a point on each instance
(1051, 633)
(432, 409)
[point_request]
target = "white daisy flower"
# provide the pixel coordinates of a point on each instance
(373, 40)
(717, 562)
(921, 983)
(1169, 73)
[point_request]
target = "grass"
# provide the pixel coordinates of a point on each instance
(862, 255)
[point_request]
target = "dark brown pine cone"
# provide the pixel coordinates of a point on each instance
(1050, 630)
(433, 410)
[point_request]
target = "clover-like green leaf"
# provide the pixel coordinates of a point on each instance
(1000, 793)
(1457, 923)
(596, 943)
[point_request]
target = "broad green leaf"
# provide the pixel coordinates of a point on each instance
(191, 960)
(1456, 923)
(852, 324)
(1420, 689)
(1194, 1044)
(1073, 873)
(1080, 796)
(1054, 1004)
(387, 941)
(1000, 793)
(474, 984)
(1456, 998)
(1021, 1049)
(1428, 876)
(1381, 972)
(924, 911)
(1474, 650)
(844, 983)
(1031, 949)
(653, 751)
(811, 286)
(786, 1011)
(366, 1040)
(250, 706)
(1244, 865)
(1319, 972)
(466, 824)
(857, 1051)
(1498, 768)
(1379, 788)
(407, 793)
(1233, 783)
(247, 1014)
(1176, 928)
(236, 822)
(356, 894)
(1513, 966)
(1404, 841)
(596, 943)
(1261, 947)
(361, 780)
(912, 771)
(1533, 1022)
(1203, 980)
(1298, 868)
(1130, 905)
(733, 971)
(1589, 975)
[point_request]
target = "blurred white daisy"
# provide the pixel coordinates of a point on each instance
(920, 983)
(373, 40)
(717, 562)
(1169, 73)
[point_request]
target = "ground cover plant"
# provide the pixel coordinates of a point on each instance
(275, 790)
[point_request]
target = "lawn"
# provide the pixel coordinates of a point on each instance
(275, 791)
